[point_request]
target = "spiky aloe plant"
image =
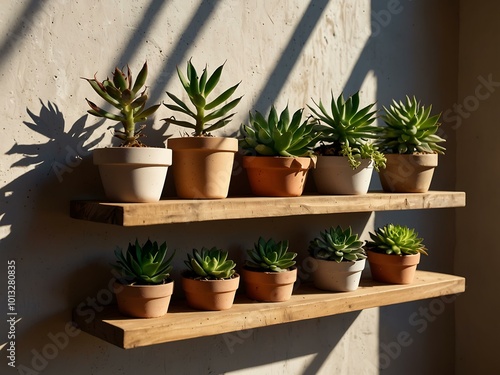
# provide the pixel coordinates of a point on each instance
(210, 263)
(410, 128)
(348, 130)
(205, 111)
(146, 264)
(337, 244)
(125, 94)
(271, 256)
(278, 136)
(396, 239)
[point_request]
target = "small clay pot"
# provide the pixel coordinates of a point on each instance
(337, 277)
(269, 286)
(210, 294)
(393, 269)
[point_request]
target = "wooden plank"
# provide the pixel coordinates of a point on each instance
(170, 211)
(182, 323)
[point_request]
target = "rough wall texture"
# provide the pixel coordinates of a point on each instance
(475, 116)
(283, 52)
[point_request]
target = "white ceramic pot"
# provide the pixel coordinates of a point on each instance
(337, 277)
(334, 175)
(133, 174)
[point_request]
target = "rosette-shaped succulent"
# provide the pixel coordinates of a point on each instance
(271, 256)
(396, 239)
(210, 263)
(410, 128)
(337, 244)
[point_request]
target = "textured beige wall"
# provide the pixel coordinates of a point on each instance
(476, 117)
(283, 52)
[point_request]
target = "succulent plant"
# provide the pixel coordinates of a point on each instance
(198, 90)
(210, 263)
(146, 264)
(337, 244)
(278, 136)
(271, 256)
(348, 130)
(410, 129)
(396, 239)
(125, 95)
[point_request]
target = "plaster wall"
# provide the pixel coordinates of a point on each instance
(283, 52)
(476, 115)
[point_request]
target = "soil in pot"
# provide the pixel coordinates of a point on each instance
(269, 286)
(210, 294)
(393, 269)
(143, 301)
(276, 176)
(408, 173)
(337, 277)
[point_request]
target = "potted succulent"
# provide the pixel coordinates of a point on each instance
(394, 253)
(338, 259)
(270, 274)
(131, 172)
(411, 146)
(278, 152)
(210, 283)
(346, 153)
(145, 289)
(202, 163)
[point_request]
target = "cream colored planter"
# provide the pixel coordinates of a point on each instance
(408, 173)
(133, 174)
(334, 175)
(202, 166)
(337, 277)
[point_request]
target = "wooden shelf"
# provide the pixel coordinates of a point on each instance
(182, 323)
(170, 211)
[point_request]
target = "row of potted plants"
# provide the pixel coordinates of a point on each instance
(210, 281)
(339, 141)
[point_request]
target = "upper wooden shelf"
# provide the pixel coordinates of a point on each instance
(170, 211)
(307, 302)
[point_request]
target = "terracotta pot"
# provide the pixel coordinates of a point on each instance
(210, 294)
(408, 173)
(202, 166)
(394, 269)
(276, 176)
(133, 174)
(269, 286)
(337, 277)
(143, 301)
(334, 175)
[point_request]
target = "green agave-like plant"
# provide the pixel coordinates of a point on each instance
(278, 136)
(337, 244)
(206, 116)
(271, 256)
(348, 130)
(410, 128)
(146, 264)
(210, 263)
(396, 239)
(125, 94)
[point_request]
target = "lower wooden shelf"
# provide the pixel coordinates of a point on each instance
(307, 302)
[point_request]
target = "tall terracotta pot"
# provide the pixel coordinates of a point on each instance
(210, 294)
(394, 269)
(408, 173)
(334, 175)
(202, 166)
(269, 286)
(143, 301)
(337, 277)
(133, 174)
(276, 176)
